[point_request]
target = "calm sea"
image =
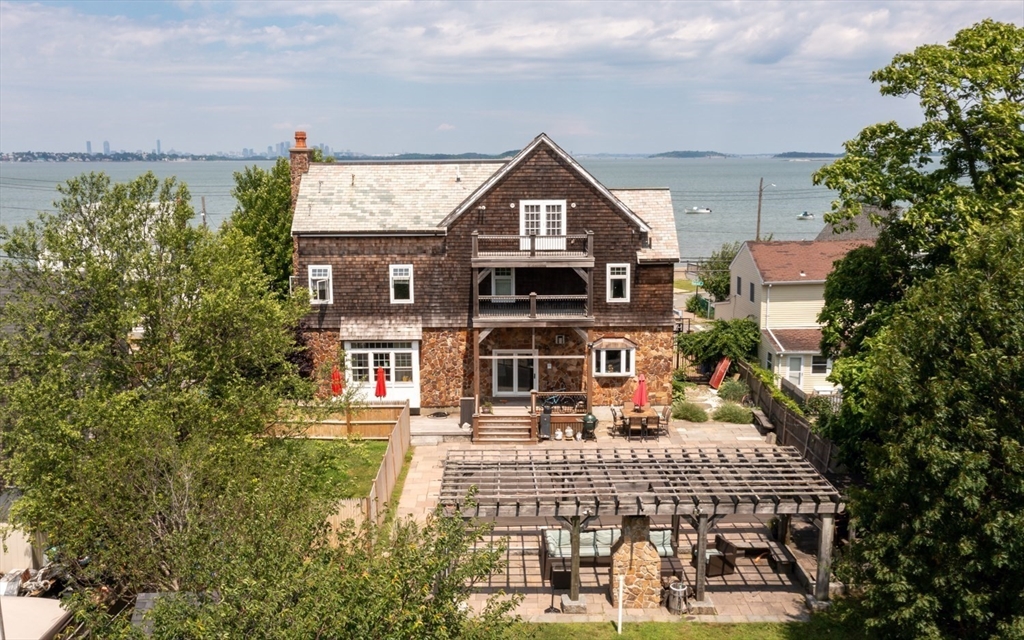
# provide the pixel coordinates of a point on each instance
(726, 186)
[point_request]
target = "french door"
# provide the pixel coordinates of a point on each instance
(515, 372)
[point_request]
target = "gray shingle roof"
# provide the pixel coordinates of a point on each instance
(364, 197)
(654, 206)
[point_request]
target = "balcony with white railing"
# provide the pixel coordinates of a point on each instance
(570, 250)
(532, 310)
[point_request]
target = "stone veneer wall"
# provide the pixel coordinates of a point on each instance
(323, 348)
(634, 557)
(563, 373)
(655, 349)
(446, 367)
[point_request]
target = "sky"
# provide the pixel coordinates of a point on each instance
(449, 77)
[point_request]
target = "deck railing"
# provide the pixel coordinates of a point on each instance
(571, 245)
(533, 306)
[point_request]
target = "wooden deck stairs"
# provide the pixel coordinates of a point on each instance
(503, 429)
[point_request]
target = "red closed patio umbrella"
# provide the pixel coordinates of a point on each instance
(335, 381)
(640, 395)
(381, 389)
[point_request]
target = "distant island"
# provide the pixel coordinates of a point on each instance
(428, 156)
(801, 155)
(690, 154)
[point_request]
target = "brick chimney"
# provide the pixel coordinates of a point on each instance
(299, 158)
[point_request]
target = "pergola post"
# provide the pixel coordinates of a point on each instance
(824, 556)
(574, 541)
(782, 535)
(702, 554)
(675, 532)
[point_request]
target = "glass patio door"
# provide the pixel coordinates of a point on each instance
(515, 372)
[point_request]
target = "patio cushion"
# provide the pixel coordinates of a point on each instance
(662, 541)
(593, 544)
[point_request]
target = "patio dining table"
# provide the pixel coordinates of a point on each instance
(639, 420)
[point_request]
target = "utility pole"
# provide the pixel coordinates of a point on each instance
(760, 194)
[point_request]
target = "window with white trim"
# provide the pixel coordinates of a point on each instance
(821, 364)
(618, 283)
(751, 285)
(544, 219)
(613, 362)
(401, 284)
(396, 358)
(739, 287)
(321, 290)
(503, 283)
(768, 361)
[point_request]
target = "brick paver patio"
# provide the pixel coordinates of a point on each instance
(754, 593)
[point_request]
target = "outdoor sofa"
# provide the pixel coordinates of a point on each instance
(596, 551)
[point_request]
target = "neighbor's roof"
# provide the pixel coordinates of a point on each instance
(655, 207)
(798, 261)
(364, 197)
(864, 231)
(794, 340)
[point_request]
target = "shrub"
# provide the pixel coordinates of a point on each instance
(689, 411)
(699, 306)
(737, 339)
(733, 391)
(768, 379)
(734, 413)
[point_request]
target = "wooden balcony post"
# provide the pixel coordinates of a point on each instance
(533, 304)
(476, 243)
(590, 243)
(476, 284)
(533, 245)
(589, 311)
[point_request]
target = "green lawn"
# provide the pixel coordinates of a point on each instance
(347, 467)
(818, 627)
(684, 285)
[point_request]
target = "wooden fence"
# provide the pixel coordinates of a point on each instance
(373, 506)
(370, 422)
(792, 430)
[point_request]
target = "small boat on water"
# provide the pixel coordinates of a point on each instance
(805, 216)
(698, 210)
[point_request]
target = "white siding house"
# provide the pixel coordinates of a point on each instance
(781, 286)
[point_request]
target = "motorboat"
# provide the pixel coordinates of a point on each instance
(805, 216)
(698, 210)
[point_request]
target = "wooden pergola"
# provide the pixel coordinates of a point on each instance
(699, 484)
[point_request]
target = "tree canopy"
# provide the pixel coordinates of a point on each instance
(264, 214)
(144, 363)
(714, 272)
(736, 339)
(928, 327)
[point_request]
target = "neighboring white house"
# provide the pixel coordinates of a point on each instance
(781, 286)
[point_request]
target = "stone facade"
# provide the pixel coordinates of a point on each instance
(446, 367)
(635, 558)
(565, 374)
(324, 350)
(655, 349)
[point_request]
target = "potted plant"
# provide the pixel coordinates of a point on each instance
(486, 406)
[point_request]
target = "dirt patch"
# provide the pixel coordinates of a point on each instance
(705, 396)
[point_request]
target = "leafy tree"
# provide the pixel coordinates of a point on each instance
(958, 170)
(736, 339)
(264, 214)
(943, 511)
(714, 272)
(145, 362)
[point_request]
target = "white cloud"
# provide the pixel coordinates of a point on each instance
(446, 127)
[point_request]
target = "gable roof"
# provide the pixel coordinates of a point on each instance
(654, 206)
(794, 340)
(543, 139)
(367, 197)
(797, 262)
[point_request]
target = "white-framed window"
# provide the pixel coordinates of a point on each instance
(618, 283)
(321, 289)
(614, 362)
(739, 287)
(821, 364)
(396, 358)
(503, 283)
(768, 361)
(544, 219)
(751, 285)
(401, 284)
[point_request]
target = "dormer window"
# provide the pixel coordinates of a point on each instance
(544, 219)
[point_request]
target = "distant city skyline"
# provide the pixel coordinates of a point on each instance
(449, 77)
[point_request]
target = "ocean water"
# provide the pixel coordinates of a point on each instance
(727, 186)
